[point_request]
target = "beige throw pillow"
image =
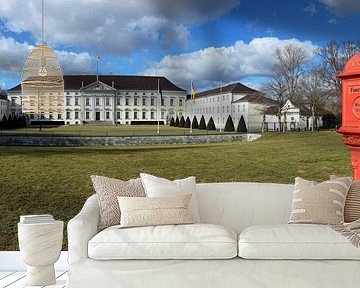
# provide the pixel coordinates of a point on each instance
(320, 203)
(107, 190)
(352, 202)
(138, 211)
(160, 187)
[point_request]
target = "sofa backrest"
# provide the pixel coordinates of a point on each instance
(237, 205)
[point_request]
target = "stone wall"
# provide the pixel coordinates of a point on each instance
(121, 141)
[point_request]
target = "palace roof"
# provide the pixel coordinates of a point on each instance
(119, 82)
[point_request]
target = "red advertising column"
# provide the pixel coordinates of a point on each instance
(350, 128)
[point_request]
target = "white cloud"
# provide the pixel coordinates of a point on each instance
(13, 55)
(342, 7)
(311, 9)
(332, 21)
(117, 27)
(226, 64)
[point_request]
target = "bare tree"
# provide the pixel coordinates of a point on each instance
(333, 59)
(315, 94)
(275, 88)
(284, 82)
(290, 63)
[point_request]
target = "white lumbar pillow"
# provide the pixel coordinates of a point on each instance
(160, 187)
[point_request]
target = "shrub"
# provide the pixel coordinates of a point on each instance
(4, 123)
(187, 122)
(241, 125)
(211, 124)
(177, 121)
(194, 124)
(182, 122)
(202, 124)
(229, 126)
(172, 121)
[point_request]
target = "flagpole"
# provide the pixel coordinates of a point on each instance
(157, 108)
(192, 104)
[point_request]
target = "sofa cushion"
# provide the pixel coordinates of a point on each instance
(145, 211)
(160, 187)
(191, 241)
(295, 241)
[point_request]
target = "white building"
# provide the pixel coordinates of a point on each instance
(235, 100)
(112, 99)
(4, 106)
(294, 117)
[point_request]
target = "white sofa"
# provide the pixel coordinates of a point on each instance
(259, 247)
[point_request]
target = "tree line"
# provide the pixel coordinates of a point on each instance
(313, 83)
(194, 124)
(12, 122)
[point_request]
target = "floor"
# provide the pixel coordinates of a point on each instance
(16, 279)
(13, 270)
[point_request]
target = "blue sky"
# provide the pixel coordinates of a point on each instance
(211, 42)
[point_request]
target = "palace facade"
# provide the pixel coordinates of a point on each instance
(111, 99)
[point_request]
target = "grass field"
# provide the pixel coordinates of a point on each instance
(56, 180)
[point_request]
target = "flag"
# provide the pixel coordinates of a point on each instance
(160, 92)
(193, 92)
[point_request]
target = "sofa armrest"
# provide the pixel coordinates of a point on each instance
(82, 228)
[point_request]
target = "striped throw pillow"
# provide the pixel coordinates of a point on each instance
(352, 202)
(320, 203)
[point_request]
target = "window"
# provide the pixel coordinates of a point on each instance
(144, 93)
(243, 107)
(87, 115)
(107, 101)
(118, 115)
(213, 110)
(76, 93)
(13, 101)
(127, 101)
(171, 102)
(76, 100)
(31, 116)
(87, 101)
(143, 115)
(135, 101)
(292, 119)
(135, 115)
(218, 108)
(223, 109)
(238, 108)
(143, 101)
(76, 115)
(67, 114)
(162, 114)
(42, 116)
(152, 115)
(180, 102)
(68, 101)
(118, 101)
(227, 109)
(227, 97)
(152, 102)
(135, 93)
(162, 101)
(107, 115)
(127, 115)
(223, 97)
(97, 101)
(50, 116)
(59, 116)
(67, 93)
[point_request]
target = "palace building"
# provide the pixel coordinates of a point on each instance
(111, 99)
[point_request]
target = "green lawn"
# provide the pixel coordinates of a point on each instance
(56, 180)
